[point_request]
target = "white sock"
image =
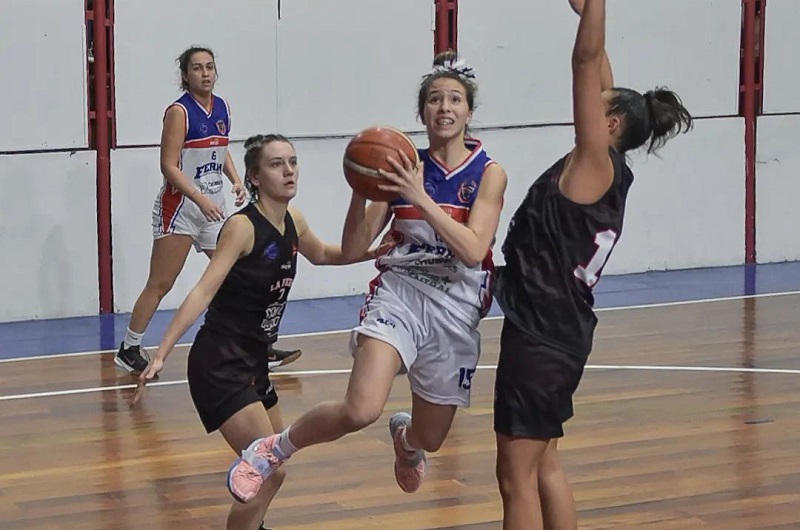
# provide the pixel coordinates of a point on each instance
(132, 339)
(285, 446)
(406, 445)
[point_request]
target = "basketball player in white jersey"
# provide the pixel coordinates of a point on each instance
(423, 310)
(190, 207)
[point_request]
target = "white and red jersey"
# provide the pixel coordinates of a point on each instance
(423, 259)
(205, 147)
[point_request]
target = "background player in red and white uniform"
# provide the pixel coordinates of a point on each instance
(422, 313)
(190, 207)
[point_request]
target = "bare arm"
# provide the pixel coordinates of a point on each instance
(362, 225)
(471, 241)
(589, 173)
(607, 76)
(229, 168)
(172, 136)
(235, 240)
(319, 253)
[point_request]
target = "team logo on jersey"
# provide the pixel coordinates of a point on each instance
(203, 128)
(430, 188)
(271, 252)
(466, 191)
(221, 127)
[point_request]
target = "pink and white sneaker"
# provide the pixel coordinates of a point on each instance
(257, 463)
(409, 466)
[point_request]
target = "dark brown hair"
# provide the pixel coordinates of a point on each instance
(657, 116)
(185, 58)
(463, 76)
(253, 148)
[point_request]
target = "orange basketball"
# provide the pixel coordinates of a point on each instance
(366, 154)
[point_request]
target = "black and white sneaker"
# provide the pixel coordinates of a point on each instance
(278, 358)
(133, 359)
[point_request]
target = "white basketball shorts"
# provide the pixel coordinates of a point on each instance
(173, 213)
(439, 352)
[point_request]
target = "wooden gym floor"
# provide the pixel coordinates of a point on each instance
(688, 417)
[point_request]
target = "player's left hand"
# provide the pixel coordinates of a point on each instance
(407, 181)
(240, 193)
(149, 373)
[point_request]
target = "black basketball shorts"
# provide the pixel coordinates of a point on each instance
(226, 373)
(534, 385)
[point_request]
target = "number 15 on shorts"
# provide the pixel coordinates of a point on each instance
(465, 377)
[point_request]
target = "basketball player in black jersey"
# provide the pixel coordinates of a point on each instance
(245, 288)
(557, 244)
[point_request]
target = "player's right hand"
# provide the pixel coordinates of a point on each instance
(152, 370)
(210, 209)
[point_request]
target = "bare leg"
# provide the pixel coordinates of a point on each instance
(518, 462)
(430, 424)
(166, 263)
(239, 431)
(558, 504)
(375, 366)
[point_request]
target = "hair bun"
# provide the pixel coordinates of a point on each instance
(253, 140)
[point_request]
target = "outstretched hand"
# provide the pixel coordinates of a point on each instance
(149, 373)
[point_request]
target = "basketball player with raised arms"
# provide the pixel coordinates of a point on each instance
(558, 242)
(423, 309)
(245, 288)
(190, 207)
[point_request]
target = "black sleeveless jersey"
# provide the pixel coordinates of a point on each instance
(555, 251)
(251, 300)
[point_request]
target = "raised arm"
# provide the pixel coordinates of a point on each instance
(319, 253)
(469, 241)
(362, 225)
(590, 172)
(606, 74)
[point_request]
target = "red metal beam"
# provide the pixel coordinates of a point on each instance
(103, 150)
(440, 33)
(748, 111)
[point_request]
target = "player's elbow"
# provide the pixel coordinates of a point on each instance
(473, 258)
(586, 57)
(351, 251)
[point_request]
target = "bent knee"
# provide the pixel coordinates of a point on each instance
(516, 484)
(361, 415)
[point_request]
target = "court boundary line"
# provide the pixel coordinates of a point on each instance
(487, 319)
(343, 371)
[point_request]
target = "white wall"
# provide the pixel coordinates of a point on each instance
(780, 57)
(521, 54)
(349, 64)
(48, 236)
(685, 209)
(778, 161)
(43, 57)
(778, 189)
(319, 70)
(150, 34)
